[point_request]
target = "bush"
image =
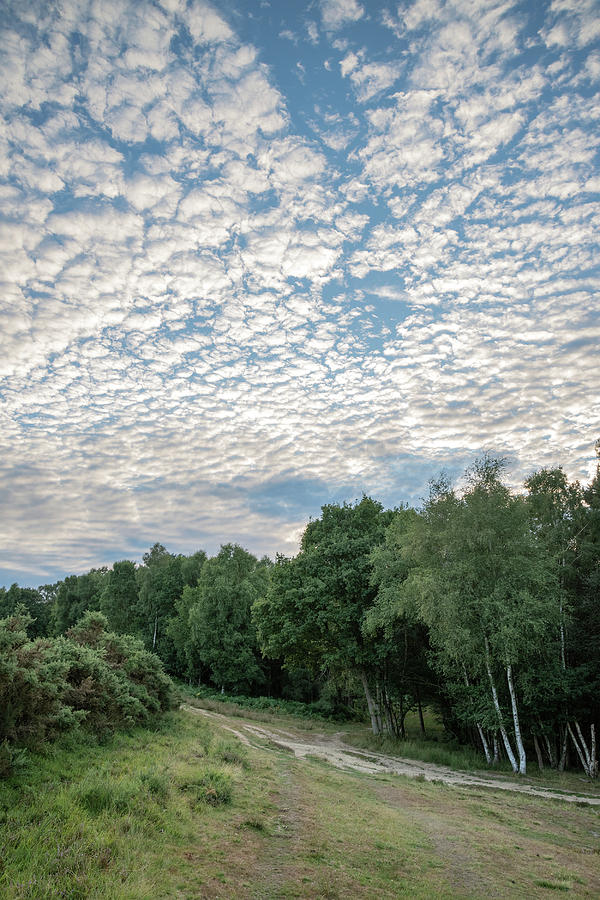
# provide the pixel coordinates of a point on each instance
(321, 709)
(89, 678)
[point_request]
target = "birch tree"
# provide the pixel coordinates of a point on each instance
(160, 583)
(485, 589)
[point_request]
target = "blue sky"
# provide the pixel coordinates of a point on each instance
(260, 256)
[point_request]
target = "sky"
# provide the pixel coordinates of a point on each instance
(261, 256)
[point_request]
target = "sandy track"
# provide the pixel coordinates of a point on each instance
(331, 749)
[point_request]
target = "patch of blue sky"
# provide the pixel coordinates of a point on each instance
(297, 498)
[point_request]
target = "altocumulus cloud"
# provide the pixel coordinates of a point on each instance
(260, 259)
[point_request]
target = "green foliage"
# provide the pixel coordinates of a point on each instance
(37, 604)
(320, 610)
(214, 629)
(13, 760)
(32, 679)
(320, 709)
(75, 595)
(315, 606)
(160, 583)
(89, 678)
(119, 595)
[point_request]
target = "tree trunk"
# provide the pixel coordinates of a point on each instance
(550, 747)
(420, 708)
(538, 752)
(505, 740)
(485, 745)
(580, 753)
(563, 754)
(480, 731)
(155, 631)
(586, 756)
(496, 749)
(515, 712)
(371, 705)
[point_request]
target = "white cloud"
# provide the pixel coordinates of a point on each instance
(337, 13)
(199, 297)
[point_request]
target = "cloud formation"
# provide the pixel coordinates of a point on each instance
(218, 287)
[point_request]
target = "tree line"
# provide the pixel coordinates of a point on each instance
(484, 604)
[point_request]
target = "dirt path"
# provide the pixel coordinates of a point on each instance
(332, 750)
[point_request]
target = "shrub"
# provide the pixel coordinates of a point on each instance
(88, 678)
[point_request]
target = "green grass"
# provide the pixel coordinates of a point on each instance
(187, 811)
(441, 753)
(271, 706)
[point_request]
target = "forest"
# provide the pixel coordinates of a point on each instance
(483, 605)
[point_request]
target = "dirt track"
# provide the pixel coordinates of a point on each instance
(332, 750)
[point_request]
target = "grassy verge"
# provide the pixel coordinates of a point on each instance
(129, 818)
(188, 812)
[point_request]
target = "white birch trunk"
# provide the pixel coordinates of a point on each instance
(584, 746)
(505, 740)
(485, 745)
(517, 724)
(580, 753)
(587, 756)
(371, 706)
(155, 631)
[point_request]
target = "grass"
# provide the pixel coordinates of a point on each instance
(442, 754)
(269, 705)
(187, 811)
(117, 820)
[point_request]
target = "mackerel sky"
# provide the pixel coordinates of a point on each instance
(260, 256)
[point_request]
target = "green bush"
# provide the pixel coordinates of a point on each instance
(88, 678)
(277, 706)
(13, 760)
